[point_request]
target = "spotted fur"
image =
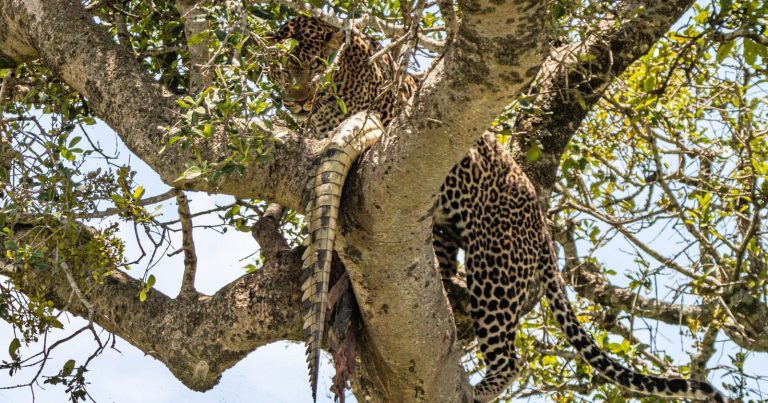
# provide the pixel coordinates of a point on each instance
(356, 84)
(487, 207)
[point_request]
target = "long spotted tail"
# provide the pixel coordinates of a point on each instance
(605, 365)
(322, 211)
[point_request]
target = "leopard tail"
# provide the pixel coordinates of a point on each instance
(605, 365)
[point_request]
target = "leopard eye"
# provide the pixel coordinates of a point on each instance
(316, 64)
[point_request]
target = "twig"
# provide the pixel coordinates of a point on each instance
(385, 27)
(143, 202)
(76, 290)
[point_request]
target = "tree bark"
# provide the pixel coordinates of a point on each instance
(197, 337)
(409, 349)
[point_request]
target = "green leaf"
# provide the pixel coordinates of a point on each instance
(613, 347)
(259, 13)
(66, 154)
(625, 346)
(549, 360)
(68, 367)
(289, 44)
(150, 281)
(649, 83)
(724, 50)
(559, 10)
(750, 51)
(534, 153)
(55, 323)
(142, 295)
(428, 20)
(208, 130)
(74, 141)
(342, 105)
(182, 104)
(138, 192)
(231, 212)
(580, 100)
(702, 16)
(191, 173)
(197, 38)
(13, 349)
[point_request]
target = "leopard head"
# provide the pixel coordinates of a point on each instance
(316, 41)
(358, 82)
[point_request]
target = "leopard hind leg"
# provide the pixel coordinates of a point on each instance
(495, 312)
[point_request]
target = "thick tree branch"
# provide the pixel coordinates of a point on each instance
(576, 76)
(197, 337)
(495, 53)
(63, 36)
(266, 232)
(706, 350)
(408, 326)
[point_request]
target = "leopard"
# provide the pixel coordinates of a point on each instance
(486, 207)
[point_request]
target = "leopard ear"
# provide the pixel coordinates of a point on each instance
(334, 41)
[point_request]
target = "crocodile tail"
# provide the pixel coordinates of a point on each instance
(554, 288)
(322, 212)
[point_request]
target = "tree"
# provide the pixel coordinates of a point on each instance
(568, 85)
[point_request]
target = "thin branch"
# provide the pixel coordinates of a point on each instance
(706, 350)
(589, 283)
(413, 35)
(143, 202)
(266, 231)
(669, 262)
(188, 245)
(449, 16)
(77, 291)
(194, 15)
(742, 33)
(388, 28)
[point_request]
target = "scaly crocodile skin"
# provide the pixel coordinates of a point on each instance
(322, 212)
(359, 85)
